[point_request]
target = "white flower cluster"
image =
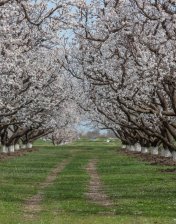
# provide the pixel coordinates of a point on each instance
(124, 57)
(35, 97)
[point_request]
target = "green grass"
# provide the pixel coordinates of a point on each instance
(41, 142)
(141, 193)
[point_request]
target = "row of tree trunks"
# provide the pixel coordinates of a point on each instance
(152, 150)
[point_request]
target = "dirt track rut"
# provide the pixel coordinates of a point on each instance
(33, 204)
(95, 189)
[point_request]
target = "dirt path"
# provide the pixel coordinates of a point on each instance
(95, 190)
(33, 205)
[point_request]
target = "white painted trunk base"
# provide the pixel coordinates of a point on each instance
(144, 150)
(174, 155)
(29, 145)
(154, 150)
(167, 153)
(11, 148)
(137, 147)
(4, 149)
(23, 146)
(132, 148)
(17, 147)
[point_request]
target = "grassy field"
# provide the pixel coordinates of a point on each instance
(141, 193)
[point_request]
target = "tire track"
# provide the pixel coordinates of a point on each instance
(33, 204)
(95, 190)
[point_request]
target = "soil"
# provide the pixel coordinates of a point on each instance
(95, 189)
(33, 205)
(18, 153)
(169, 171)
(151, 159)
